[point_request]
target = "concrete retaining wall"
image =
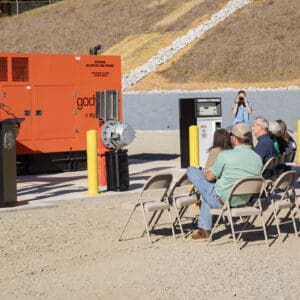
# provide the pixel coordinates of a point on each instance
(155, 116)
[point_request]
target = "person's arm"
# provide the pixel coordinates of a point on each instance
(209, 175)
(216, 170)
(212, 155)
(235, 106)
(248, 106)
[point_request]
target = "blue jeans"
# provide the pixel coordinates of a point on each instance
(208, 196)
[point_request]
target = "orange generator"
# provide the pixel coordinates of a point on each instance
(56, 96)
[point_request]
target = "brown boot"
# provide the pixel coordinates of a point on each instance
(201, 235)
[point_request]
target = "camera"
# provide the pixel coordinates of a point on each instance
(241, 100)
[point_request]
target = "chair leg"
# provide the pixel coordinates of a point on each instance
(214, 228)
(277, 222)
(125, 226)
(270, 220)
(243, 228)
(294, 223)
(157, 219)
(149, 222)
(225, 223)
(183, 211)
(146, 225)
(233, 232)
(265, 230)
(171, 222)
(178, 219)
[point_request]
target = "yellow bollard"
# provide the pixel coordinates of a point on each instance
(194, 155)
(92, 161)
(194, 146)
(298, 140)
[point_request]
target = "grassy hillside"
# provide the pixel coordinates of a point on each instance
(259, 45)
(73, 26)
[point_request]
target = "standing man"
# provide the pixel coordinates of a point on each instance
(242, 109)
(215, 184)
(265, 146)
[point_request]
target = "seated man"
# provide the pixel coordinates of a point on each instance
(265, 146)
(230, 166)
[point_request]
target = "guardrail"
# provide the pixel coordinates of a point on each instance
(15, 7)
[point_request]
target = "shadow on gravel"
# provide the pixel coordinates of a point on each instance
(148, 170)
(152, 156)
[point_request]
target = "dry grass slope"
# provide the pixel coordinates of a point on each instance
(258, 46)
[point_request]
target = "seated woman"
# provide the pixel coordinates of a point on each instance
(274, 130)
(221, 141)
(285, 141)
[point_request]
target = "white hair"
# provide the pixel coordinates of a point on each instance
(274, 127)
(262, 122)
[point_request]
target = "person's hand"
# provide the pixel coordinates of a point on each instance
(245, 100)
(237, 100)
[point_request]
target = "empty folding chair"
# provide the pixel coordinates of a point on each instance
(153, 200)
(282, 196)
(182, 195)
(248, 188)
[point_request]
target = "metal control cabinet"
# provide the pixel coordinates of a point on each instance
(209, 119)
(206, 113)
(8, 176)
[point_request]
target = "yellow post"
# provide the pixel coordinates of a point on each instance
(298, 140)
(92, 161)
(194, 146)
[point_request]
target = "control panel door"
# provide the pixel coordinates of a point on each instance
(15, 102)
(53, 112)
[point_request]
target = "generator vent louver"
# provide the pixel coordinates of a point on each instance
(3, 69)
(20, 69)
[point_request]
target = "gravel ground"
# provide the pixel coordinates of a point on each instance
(70, 250)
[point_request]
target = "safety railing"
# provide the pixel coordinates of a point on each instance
(15, 7)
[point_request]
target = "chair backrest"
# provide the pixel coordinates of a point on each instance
(290, 157)
(285, 181)
(183, 181)
(157, 186)
(182, 184)
(158, 181)
(281, 159)
(248, 186)
(268, 167)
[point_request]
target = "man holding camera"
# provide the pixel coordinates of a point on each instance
(241, 109)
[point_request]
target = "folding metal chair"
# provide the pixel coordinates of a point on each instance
(252, 187)
(283, 196)
(280, 166)
(181, 196)
(269, 173)
(290, 157)
(152, 199)
(268, 168)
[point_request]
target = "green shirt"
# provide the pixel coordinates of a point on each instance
(276, 145)
(233, 165)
